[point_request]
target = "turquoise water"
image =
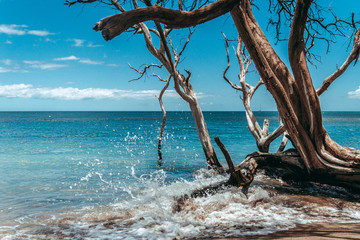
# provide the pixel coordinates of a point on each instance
(94, 175)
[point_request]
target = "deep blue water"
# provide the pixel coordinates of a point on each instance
(52, 161)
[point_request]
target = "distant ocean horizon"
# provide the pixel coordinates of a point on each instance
(95, 175)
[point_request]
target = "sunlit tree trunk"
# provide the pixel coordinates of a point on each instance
(296, 98)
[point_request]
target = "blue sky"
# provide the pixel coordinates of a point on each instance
(51, 59)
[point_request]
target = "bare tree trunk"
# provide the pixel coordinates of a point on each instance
(163, 120)
(203, 133)
(296, 98)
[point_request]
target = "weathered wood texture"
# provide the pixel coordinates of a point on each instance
(115, 25)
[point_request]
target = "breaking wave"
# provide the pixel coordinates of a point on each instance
(147, 211)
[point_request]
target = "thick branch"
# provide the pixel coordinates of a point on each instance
(115, 25)
(240, 178)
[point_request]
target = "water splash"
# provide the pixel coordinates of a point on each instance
(269, 206)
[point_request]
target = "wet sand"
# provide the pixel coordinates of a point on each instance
(314, 231)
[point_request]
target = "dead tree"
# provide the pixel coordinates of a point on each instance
(296, 98)
(170, 57)
(163, 122)
(262, 136)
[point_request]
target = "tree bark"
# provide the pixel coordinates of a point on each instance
(163, 122)
(115, 25)
(203, 133)
(296, 98)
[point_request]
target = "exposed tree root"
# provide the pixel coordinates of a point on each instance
(286, 165)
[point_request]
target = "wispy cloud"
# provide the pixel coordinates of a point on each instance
(14, 29)
(90, 44)
(8, 42)
(83, 43)
(70, 93)
(44, 65)
(31, 62)
(354, 94)
(5, 70)
(78, 42)
(10, 65)
(6, 62)
(69, 58)
(88, 61)
(39, 33)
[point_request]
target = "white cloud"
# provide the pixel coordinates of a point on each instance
(112, 65)
(69, 58)
(4, 70)
(78, 42)
(90, 44)
(14, 29)
(31, 62)
(39, 33)
(48, 66)
(70, 93)
(354, 94)
(43, 65)
(88, 61)
(7, 62)
(8, 42)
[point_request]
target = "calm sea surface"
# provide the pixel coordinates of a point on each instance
(95, 175)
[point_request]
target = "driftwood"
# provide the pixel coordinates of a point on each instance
(286, 165)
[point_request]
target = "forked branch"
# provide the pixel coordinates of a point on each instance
(262, 136)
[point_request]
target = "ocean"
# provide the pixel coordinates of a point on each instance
(95, 175)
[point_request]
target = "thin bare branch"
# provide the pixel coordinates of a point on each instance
(144, 71)
(69, 3)
(353, 56)
(160, 78)
(234, 86)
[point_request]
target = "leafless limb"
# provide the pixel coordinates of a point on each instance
(322, 24)
(353, 56)
(69, 3)
(143, 71)
(160, 78)
(234, 86)
(262, 136)
(163, 119)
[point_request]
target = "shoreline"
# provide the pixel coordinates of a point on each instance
(316, 230)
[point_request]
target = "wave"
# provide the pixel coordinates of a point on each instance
(148, 211)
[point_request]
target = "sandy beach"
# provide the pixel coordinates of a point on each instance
(314, 231)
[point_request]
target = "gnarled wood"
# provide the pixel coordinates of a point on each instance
(296, 99)
(237, 176)
(115, 25)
